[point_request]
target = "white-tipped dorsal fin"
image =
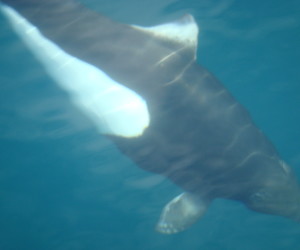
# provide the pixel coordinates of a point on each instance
(184, 30)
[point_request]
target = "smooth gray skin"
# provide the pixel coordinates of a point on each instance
(199, 136)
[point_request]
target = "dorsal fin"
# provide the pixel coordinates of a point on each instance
(184, 30)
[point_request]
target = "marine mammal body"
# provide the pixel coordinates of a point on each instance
(177, 119)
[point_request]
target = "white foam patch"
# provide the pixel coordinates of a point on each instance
(113, 108)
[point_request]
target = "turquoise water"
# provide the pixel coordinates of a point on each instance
(63, 186)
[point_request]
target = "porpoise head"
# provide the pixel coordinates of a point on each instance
(279, 195)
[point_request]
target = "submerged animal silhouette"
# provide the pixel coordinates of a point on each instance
(143, 88)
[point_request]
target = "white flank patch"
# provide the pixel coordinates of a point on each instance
(113, 108)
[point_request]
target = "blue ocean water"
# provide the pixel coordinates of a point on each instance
(64, 186)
